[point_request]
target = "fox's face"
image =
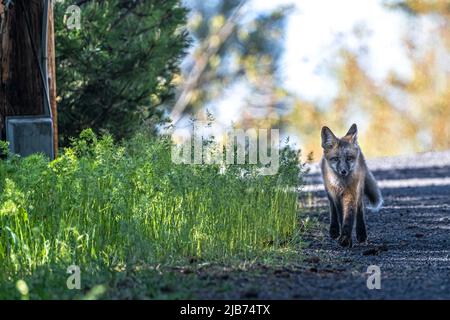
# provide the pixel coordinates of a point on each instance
(341, 154)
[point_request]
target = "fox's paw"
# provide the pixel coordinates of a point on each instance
(334, 232)
(345, 241)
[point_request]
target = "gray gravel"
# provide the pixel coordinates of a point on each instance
(409, 239)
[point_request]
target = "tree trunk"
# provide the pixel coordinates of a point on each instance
(52, 75)
(21, 86)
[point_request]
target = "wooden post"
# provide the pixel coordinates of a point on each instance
(52, 75)
(21, 86)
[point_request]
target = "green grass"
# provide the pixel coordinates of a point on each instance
(111, 208)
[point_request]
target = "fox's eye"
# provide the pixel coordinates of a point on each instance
(334, 159)
(350, 158)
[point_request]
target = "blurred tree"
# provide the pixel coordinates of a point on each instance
(118, 67)
(429, 88)
(396, 115)
(234, 48)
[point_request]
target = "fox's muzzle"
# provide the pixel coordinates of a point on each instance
(342, 168)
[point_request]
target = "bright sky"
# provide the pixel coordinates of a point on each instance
(312, 31)
(311, 43)
(316, 29)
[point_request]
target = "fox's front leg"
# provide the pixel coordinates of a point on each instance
(361, 233)
(349, 208)
(335, 218)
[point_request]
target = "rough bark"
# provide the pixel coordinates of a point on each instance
(52, 76)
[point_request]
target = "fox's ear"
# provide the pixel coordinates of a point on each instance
(352, 133)
(328, 138)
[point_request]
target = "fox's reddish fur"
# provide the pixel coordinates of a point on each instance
(347, 179)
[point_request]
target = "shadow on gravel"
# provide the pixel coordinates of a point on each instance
(397, 174)
(416, 194)
(409, 173)
(409, 240)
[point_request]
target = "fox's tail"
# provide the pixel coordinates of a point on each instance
(372, 192)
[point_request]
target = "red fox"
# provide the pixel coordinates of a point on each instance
(347, 179)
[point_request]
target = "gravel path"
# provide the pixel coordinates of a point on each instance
(409, 240)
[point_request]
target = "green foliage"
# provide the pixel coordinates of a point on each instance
(105, 206)
(117, 69)
(410, 110)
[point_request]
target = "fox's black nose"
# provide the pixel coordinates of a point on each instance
(344, 172)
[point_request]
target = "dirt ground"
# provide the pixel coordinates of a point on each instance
(409, 240)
